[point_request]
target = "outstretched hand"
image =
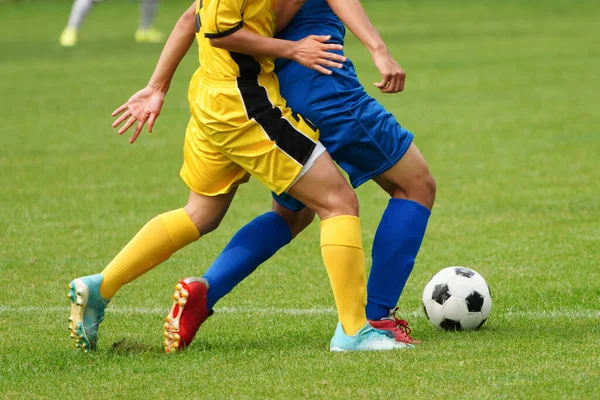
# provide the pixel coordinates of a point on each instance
(144, 106)
(392, 74)
(314, 53)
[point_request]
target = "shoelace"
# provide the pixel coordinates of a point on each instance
(402, 325)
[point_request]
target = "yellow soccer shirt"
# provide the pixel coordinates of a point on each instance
(218, 18)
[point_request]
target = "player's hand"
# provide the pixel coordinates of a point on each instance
(314, 53)
(142, 107)
(392, 74)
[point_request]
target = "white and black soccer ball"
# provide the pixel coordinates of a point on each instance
(457, 298)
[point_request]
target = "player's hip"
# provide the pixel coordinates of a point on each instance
(341, 109)
(358, 132)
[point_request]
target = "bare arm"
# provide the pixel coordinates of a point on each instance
(353, 15)
(145, 105)
(312, 51)
(176, 47)
(285, 10)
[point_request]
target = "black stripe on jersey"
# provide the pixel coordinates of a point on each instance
(249, 67)
(258, 106)
(198, 23)
(224, 33)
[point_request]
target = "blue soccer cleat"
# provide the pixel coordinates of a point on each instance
(366, 339)
(87, 311)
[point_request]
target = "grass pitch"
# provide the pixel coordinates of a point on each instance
(503, 98)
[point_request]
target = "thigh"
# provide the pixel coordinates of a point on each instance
(206, 170)
(324, 190)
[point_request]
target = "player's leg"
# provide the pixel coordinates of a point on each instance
(368, 143)
(325, 190)
(145, 32)
(79, 11)
(212, 175)
(162, 236)
(153, 244)
(398, 237)
(298, 218)
(252, 245)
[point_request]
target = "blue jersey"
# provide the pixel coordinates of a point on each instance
(314, 18)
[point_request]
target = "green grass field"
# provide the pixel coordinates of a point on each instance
(503, 98)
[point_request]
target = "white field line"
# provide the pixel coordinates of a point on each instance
(530, 314)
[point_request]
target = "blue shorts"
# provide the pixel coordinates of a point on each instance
(361, 136)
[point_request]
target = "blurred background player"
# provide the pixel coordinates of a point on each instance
(144, 34)
(365, 140)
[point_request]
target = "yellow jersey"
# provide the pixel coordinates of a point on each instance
(218, 18)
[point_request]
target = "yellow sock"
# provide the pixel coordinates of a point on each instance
(153, 244)
(344, 258)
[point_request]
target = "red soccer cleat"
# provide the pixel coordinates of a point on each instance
(187, 313)
(398, 328)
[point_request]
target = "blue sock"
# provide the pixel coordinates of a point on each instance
(252, 245)
(395, 247)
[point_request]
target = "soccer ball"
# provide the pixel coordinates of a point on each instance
(457, 298)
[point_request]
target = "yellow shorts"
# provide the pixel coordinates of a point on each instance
(240, 128)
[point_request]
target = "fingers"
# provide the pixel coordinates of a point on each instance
(397, 82)
(391, 87)
(402, 79)
(127, 125)
(321, 63)
(391, 83)
(320, 56)
(332, 60)
(151, 120)
(331, 46)
(328, 63)
(321, 69)
(136, 133)
(119, 110)
(381, 85)
(320, 38)
(333, 56)
(122, 118)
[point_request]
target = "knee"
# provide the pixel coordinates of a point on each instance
(341, 201)
(297, 221)
(422, 189)
(204, 222)
(429, 189)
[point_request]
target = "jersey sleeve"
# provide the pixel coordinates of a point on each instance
(223, 17)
